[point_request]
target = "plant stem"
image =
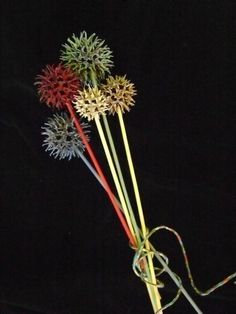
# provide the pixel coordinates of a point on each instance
(100, 173)
(114, 174)
(121, 178)
(140, 210)
(158, 256)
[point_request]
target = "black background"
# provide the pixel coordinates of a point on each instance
(62, 249)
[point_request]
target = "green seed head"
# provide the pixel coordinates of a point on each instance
(89, 57)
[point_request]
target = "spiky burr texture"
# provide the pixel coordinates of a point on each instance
(119, 92)
(88, 56)
(90, 103)
(57, 85)
(61, 138)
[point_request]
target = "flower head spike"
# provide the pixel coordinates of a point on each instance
(90, 103)
(61, 137)
(57, 85)
(119, 92)
(87, 56)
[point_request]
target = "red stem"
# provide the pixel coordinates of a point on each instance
(100, 172)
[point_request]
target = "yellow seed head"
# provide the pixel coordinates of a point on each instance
(90, 103)
(119, 92)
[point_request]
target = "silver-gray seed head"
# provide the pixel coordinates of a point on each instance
(61, 138)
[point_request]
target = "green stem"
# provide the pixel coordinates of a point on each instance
(121, 178)
(93, 79)
(150, 288)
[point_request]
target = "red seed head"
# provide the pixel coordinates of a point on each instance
(57, 85)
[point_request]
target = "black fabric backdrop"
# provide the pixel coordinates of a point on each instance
(62, 248)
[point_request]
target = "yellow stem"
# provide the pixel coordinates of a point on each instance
(125, 193)
(121, 178)
(114, 175)
(121, 196)
(140, 210)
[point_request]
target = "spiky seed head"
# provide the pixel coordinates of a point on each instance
(90, 103)
(88, 56)
(61, 138)
(57, 85)
(119, 92)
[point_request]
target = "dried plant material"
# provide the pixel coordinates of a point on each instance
(57, 85)
(119, 92)
(90, 103)
(61, 137)
(88, 56)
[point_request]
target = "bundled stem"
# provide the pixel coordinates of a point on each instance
(140, 210)
(153, 292)
(100, 173)
(137, 231)
(121, 178)
(114, 174)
